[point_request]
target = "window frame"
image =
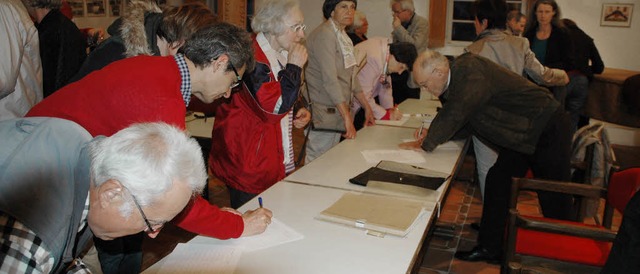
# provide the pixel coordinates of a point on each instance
(450, 20)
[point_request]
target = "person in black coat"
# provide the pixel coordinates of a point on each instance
(578, 88)
(63, 48)
(625, 252)
(550, 40)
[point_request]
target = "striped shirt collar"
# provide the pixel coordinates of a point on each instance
(185, 87)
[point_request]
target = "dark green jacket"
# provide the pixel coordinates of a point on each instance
(496, 104)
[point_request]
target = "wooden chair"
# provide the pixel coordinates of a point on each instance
(555, 240)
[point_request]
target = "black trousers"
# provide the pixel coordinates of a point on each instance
(625, 253)
(551, 160)
(239, 197)
(401, 90)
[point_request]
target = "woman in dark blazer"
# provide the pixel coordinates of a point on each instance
(550, 40)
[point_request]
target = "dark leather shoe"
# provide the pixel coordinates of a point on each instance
(479, 253)
(475, 226)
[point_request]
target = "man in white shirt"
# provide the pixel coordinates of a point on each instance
(20, 68)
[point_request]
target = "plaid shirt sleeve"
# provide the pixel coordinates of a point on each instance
(21, 251)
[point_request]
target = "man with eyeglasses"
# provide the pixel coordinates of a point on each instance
(158, 89)
(530, 128)
(60, 186)
(408, 26)
(411, 28)
(255, 126)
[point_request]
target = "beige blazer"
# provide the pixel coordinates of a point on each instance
(328, 82)
(417, 33)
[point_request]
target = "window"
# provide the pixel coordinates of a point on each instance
(460, 26)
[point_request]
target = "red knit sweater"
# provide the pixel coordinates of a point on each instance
(134, 90)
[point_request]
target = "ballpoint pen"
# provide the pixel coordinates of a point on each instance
(420, 130)
(260, 201)
(416, 115)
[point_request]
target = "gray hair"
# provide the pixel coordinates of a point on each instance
(147, 159)
(270, 16)
(405, 4)
(515, 14)
(430, 59)
(43, 4)
(212, 41)
(358, 21)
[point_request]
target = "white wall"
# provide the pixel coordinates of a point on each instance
(618, 47)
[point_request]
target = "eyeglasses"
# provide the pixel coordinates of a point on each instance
(397, 11)
(146, 221)
(298, 27)
(238, 78)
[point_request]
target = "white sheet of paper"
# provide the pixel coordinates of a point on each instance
(277, 233)
(397, 155)
(198, 258)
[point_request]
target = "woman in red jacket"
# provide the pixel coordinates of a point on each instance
(251, 145)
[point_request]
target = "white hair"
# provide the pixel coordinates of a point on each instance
(405, 4)
(147, 159)
(270, 16)
(358, 21)
(429, 59)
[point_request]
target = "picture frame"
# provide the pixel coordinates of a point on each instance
(77, 7)
(616, 15)
(96, 8)
(116, 8)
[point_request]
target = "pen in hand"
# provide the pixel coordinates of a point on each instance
(420, 131)
(260, 201)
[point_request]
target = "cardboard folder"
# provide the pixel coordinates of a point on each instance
(377, 213)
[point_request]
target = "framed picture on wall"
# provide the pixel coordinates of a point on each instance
(616, 15)
(77, 7)
(96, 8)
(115, 8)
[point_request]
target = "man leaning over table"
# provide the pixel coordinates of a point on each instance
(59, 186)
(496, 104)
(157, 89)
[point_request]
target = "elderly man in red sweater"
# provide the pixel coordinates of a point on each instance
(154, 89)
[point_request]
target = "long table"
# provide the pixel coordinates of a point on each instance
(332, 248)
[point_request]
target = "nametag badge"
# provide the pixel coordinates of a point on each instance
(331, 110)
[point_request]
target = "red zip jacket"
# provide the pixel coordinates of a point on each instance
(134, 90)
(246, 150)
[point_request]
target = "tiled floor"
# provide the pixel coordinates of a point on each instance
(463, 206)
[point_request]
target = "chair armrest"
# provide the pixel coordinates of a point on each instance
(578, 230)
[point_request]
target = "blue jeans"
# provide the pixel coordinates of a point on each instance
(577, 91)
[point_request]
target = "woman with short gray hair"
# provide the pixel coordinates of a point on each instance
(358, 30)
(255, 127)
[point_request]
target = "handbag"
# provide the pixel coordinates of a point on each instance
(323, 118)
(327, 119)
